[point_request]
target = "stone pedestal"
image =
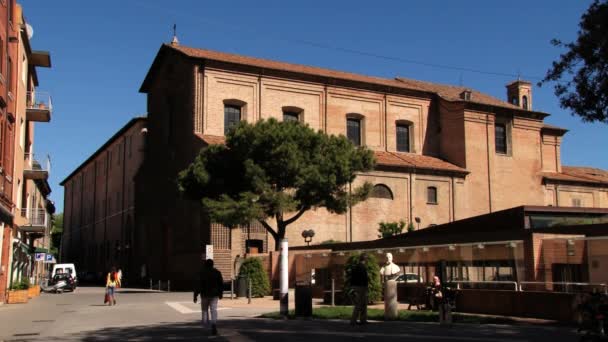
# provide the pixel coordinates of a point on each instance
(391, 309)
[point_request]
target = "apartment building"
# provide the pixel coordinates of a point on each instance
(26, 210)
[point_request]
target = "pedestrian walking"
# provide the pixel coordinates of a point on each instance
(211, 287)
(359, 281)
(111, 284)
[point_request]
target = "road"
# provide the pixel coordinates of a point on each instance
(143, 315)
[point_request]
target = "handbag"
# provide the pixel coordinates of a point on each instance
(106, 298)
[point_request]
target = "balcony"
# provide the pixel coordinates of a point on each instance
(37, 220)
(35, 170)
(38, 106)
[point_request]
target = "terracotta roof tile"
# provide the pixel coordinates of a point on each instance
(212, 139)
(448, 92)
(392, 159)
(412, 160)
(579, 174)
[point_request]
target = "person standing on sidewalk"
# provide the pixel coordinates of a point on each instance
(111, 284)
(359, 281)
(211, 288)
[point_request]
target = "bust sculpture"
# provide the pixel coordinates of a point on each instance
(390, 271)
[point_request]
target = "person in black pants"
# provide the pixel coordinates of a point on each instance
(359, 281)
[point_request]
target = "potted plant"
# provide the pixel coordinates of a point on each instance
(18, 292)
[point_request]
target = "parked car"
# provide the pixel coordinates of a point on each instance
(409, 278)
(65, 268)
(67, 278)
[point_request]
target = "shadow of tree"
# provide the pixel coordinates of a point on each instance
(316, 330)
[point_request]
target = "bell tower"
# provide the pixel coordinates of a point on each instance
(519, 93)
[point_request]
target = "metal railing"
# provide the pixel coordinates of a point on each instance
(565, 286)
(39, 100)
(31, 163)
(36, 217)
(488, 282)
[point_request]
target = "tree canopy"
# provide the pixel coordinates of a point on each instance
(56, 233)
(581, 72)
(269, 170)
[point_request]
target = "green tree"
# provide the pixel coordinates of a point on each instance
(387, 229)
(581, 73)
(275, 171)
(253, 269)
(410, 227)
(374, 286)
(56, 233)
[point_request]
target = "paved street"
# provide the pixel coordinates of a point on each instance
(142, 315)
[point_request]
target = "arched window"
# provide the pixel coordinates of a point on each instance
(403, 131)
(381, 191)
(232, 116)
(524, 102)
(354, 128)
(292, 114)
(431, 195)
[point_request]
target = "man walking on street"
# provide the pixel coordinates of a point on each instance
(210, 287)
(359, 281)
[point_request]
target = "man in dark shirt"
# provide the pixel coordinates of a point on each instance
(211, 287)
(359, 280)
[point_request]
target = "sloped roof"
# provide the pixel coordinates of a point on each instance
(383, 158)
(448, 92)
(579, 174)
(415, 161)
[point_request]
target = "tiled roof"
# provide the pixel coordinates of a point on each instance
(415, 161)
(448, 92)
(383, 158)
(212, 139)
(453, 93)
(547, 127)
(579, 174)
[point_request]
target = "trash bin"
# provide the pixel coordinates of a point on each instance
(303, 300)
(242, 286)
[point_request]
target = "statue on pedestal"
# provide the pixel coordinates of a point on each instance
(390, 271)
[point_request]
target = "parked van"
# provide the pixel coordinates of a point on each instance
(65, 268)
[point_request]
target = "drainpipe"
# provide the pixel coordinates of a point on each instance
(488, 160)
(350, 212)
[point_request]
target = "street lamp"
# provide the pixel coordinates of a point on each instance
(417, 219)
(307, 235)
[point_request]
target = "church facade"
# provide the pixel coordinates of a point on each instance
(443, 153)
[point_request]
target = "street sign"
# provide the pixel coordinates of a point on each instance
(208, 252)
(39, 256)
(49, 259)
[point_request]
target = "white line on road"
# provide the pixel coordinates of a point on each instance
(181, 308)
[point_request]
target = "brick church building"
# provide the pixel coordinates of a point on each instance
(443, 153)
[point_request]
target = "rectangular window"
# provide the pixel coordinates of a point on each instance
(576, 202)
(403, 138)
(500, 133)
(9, 74)
(1, 56)
(232, 116)
(353, 131)
(291, 116)
(431, 195)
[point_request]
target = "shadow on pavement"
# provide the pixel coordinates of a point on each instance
(318, 331)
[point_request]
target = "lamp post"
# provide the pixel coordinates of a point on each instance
(308, 235)
(417, 219)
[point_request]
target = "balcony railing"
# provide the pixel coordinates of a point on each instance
(39, 106)
(35, 169)
(37, 220)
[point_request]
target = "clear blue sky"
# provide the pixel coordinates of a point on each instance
(101, 52)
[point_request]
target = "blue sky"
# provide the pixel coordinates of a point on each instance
(101, 52)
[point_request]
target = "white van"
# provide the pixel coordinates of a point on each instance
(65, 268)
